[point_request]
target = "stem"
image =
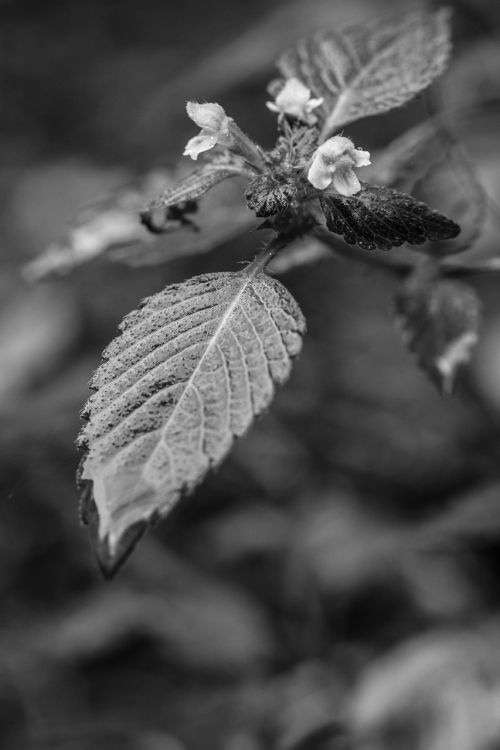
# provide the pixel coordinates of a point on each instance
(239, 143)
(261, 260)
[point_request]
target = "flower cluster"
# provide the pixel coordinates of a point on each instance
(330, 165)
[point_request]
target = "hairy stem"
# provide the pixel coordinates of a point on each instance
(266, 255)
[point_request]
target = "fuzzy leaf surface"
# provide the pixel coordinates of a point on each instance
(189, 372)
(380, 217)
(371, 68)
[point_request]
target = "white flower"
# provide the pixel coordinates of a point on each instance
(295, 99)
(334, 162)
(214, 124)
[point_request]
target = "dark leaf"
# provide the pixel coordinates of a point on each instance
(267, 196)
(380, 217)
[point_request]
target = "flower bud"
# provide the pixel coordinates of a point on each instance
(209, 116)
(294, 99)
(219, 129)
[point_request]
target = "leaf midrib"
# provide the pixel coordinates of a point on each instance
(330, 121)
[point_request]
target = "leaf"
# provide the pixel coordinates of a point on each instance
(380, 217)
(198, 623)
(167, 207)
(476, 72)
(405, 159)
(221, 216)
(430, 162)
(111, 228)
(453, 185)
(438, 690)
(370, 68)
(303, 706)
(38, 330)
(190, 371)
(475, 515)
(110, 222)
(440, 322)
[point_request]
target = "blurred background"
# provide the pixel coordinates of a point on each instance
(336, 583)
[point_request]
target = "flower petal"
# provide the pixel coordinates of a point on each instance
(294, 94)
(333, 161)
(319, 175)
(335, 147)
(208, 116)
(198, 144)
(360, 158)
(313, 103)
(345, 181)
(295, 99)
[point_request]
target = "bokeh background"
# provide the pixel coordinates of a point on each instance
(336, 583)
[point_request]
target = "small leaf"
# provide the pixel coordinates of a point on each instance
(188, 374)
(440, 322)
(380, 217)
(158, 215)
(371, 68)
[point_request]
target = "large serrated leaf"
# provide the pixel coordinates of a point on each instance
(380, 217)
(371, 68)
(190, 371)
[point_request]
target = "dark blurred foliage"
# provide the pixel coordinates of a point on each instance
(335, 584)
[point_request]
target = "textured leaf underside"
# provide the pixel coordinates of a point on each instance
(380, 217)
(189, 372)
(368, 69)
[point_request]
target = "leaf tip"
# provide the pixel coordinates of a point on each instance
(112, 551)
